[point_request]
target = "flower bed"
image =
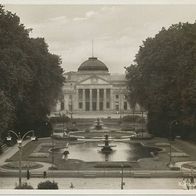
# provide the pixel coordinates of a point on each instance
(24, 165)
(39, 155)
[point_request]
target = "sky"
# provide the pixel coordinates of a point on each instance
(117, 31)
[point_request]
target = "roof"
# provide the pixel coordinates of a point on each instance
(117, 77)
(93, 64)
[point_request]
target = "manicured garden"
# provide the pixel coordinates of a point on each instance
(42, 147)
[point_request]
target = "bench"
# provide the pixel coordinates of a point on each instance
(89, 175)
(37, 175)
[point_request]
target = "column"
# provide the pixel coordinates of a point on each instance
(91, 100)
(111, 100)
(76, 101)
(104, 99)
(83, 99)
(97, 99)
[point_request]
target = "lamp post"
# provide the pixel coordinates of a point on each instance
(52, 149)
(172, 123)
(122, 176)
(19, 142)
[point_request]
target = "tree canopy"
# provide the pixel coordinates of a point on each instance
(162, 79)
(30, 76)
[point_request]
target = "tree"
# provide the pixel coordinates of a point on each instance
(162, 79)
(30, 76)
(6, 112)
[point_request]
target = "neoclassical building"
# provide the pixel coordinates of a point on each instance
(93, 89)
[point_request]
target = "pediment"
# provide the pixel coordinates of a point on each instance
(94, 80)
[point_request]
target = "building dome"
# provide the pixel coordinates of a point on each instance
(93, 64)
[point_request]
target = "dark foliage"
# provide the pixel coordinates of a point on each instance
(163, 81)
(133, 118)
(47, 185)
(59, 119)
(30, 78)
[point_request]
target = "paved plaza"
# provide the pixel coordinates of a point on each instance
(151, 182)
(100, 183)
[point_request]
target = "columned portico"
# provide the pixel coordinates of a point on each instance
(94, 99)
(93, 89)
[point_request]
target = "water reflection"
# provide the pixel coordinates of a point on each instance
(122, 152)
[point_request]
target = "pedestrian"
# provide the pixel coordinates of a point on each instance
(71, 186)
(28, 174)
(44, 174)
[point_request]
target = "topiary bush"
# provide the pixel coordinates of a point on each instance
(24, 186)
(47, 185)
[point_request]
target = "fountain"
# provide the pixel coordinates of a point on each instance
(86, 149)
(106, 148)
(98, 124)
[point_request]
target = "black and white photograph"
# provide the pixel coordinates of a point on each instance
(98, 96)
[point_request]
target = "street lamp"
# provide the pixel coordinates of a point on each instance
(19, 142)
(170, 138)
(52, 149)
(122, 176)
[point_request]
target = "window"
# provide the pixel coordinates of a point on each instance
(101, 94)
(70, 108)
(80, 94)
(117, 96)
(100, 106)
(94, 94)
(117, 106)
(80, 105)
(125, 105)
(107, 93)
(108, 105)
(87, 94)
(87, 107)
(94, 106)
(62, 106)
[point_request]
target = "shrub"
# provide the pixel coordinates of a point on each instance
(135, 118)
(175, 168)
(47, 185)
(60, 119)
(24, 165)
(53, 167)
(24, 186)
(127, 129)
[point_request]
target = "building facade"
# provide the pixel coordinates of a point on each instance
(93, 89)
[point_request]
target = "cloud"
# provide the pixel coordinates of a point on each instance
(90, 14)
(79, 19)
(59, 18)
(117, 30)
(87, 15)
